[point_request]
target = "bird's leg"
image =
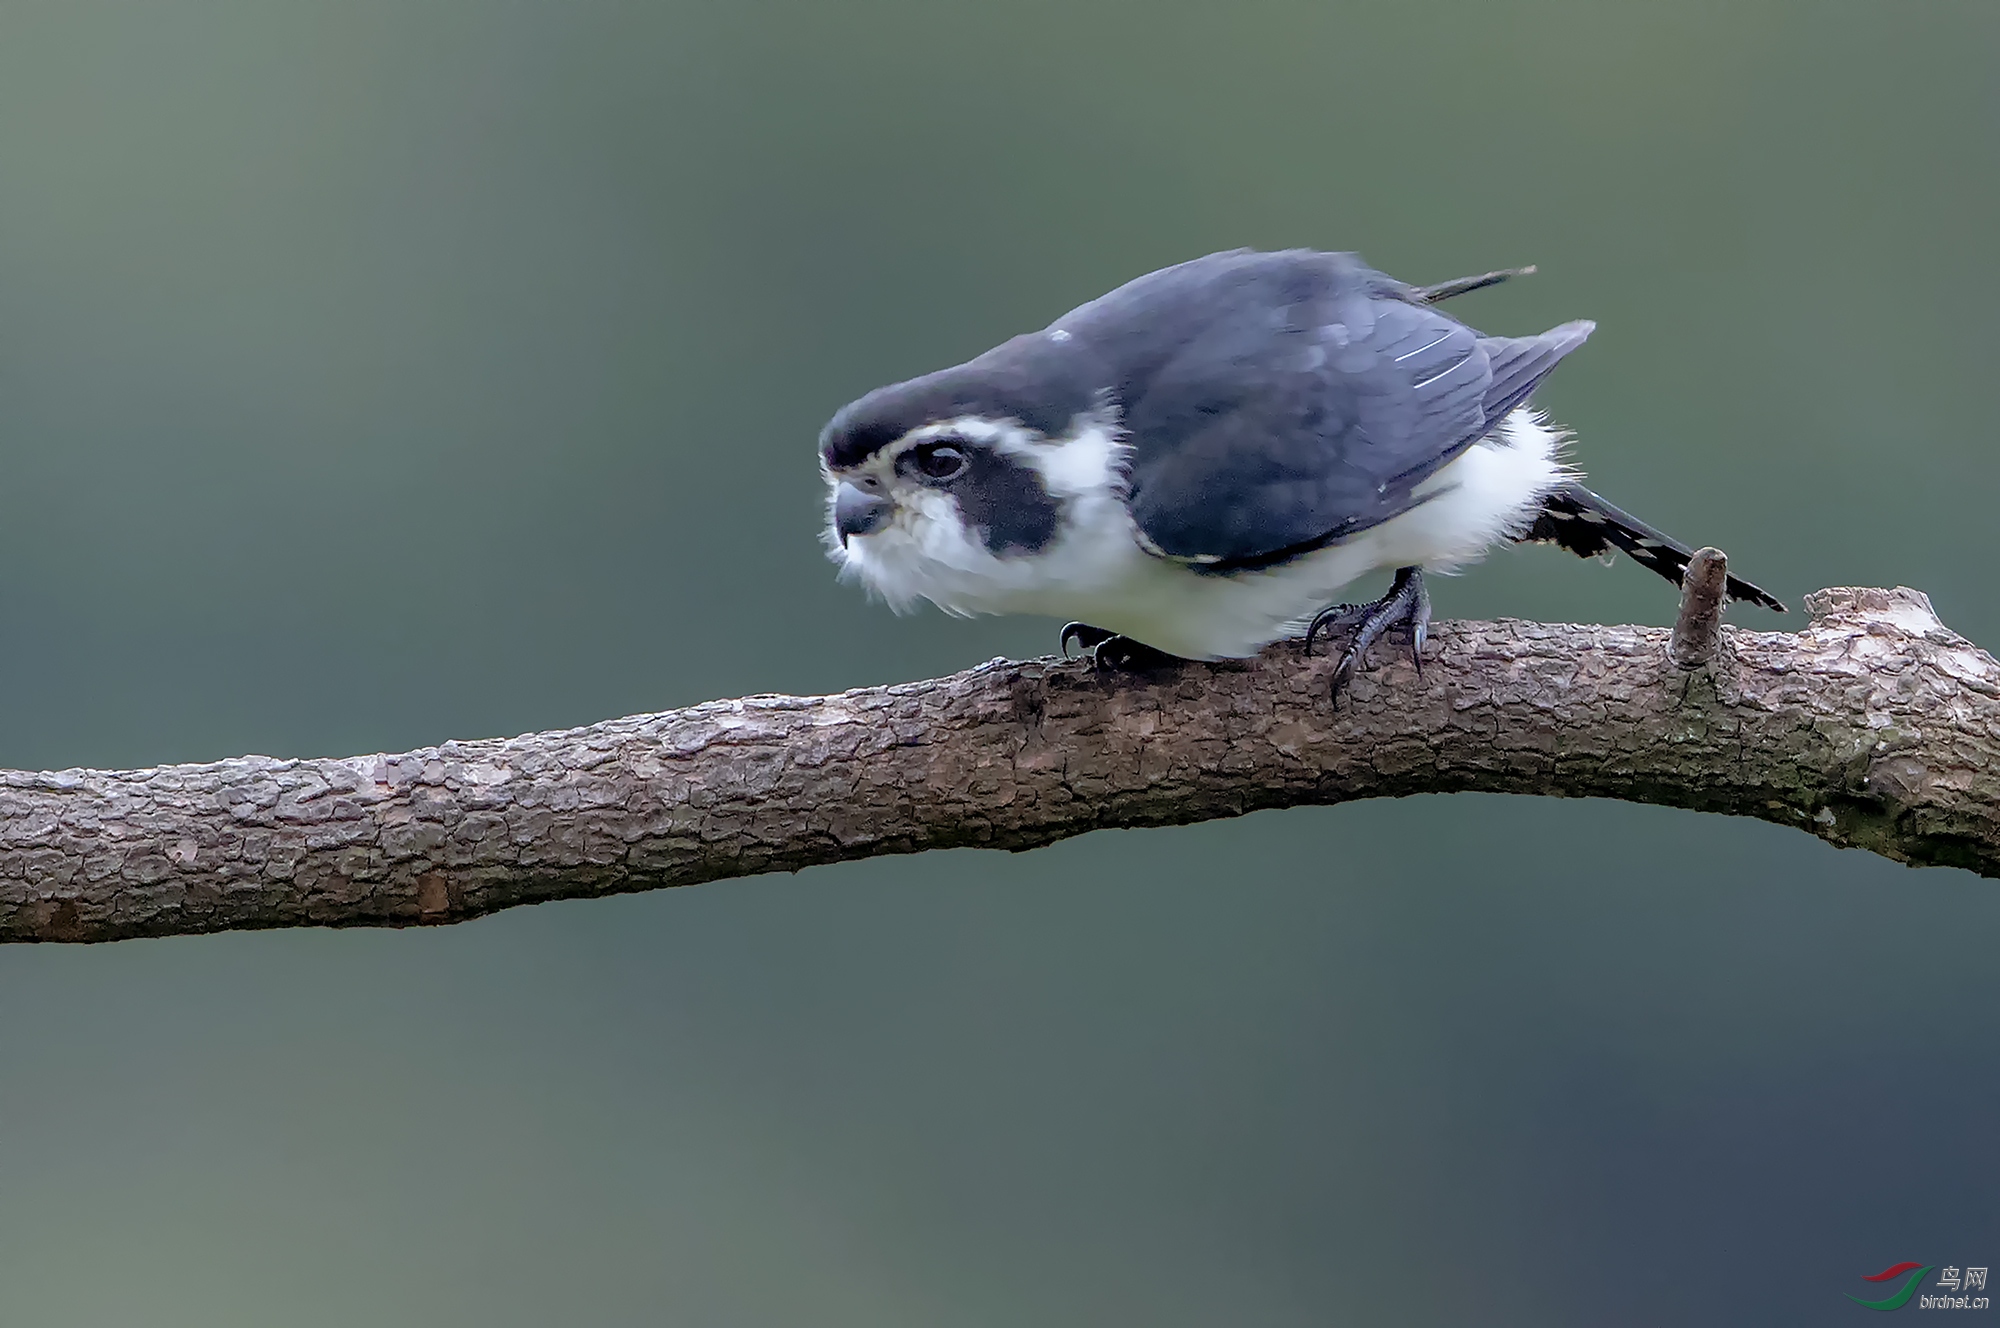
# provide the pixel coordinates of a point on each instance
(1112, 653)
(1406, 603)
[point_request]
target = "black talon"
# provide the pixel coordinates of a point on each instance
(1090, 638)
(1330, 619)
(1420, 626)
(1407, 602)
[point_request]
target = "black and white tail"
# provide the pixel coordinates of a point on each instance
(1576, 519)
(1572, 516)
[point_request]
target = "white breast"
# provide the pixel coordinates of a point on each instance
(1098, 573)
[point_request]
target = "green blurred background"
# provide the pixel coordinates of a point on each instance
(373, 374)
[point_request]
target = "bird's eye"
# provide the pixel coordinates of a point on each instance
(941, 461)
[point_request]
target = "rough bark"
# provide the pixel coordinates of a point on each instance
(1697, 633)
(1875, 727)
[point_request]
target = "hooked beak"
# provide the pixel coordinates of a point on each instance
(857, 512)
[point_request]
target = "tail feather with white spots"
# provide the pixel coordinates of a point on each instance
(1576, 519)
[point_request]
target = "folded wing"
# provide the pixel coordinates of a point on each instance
(1314, 401)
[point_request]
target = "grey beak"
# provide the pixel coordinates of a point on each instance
(856, 512)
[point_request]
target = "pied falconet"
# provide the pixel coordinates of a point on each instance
(1195, 464)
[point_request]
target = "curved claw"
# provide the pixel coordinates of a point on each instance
(1328, 619)
(1420, 627)
(1343, 672)
(1324, 618)
(1082, 634)
(1348, 665)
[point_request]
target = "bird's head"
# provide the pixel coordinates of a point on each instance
(951, 487)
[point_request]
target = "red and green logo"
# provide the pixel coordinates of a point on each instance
(1902, 1296)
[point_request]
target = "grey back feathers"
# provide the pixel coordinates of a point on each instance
(1273, 403)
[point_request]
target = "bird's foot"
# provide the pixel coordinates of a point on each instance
(1112, 653)
(1083, 634)
(1407, 603)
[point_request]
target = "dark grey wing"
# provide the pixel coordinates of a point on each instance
(1519, 363)
(1280, 429)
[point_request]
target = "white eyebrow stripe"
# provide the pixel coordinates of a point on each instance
(1445, 336)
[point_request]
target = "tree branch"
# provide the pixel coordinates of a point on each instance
(1875, 728)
